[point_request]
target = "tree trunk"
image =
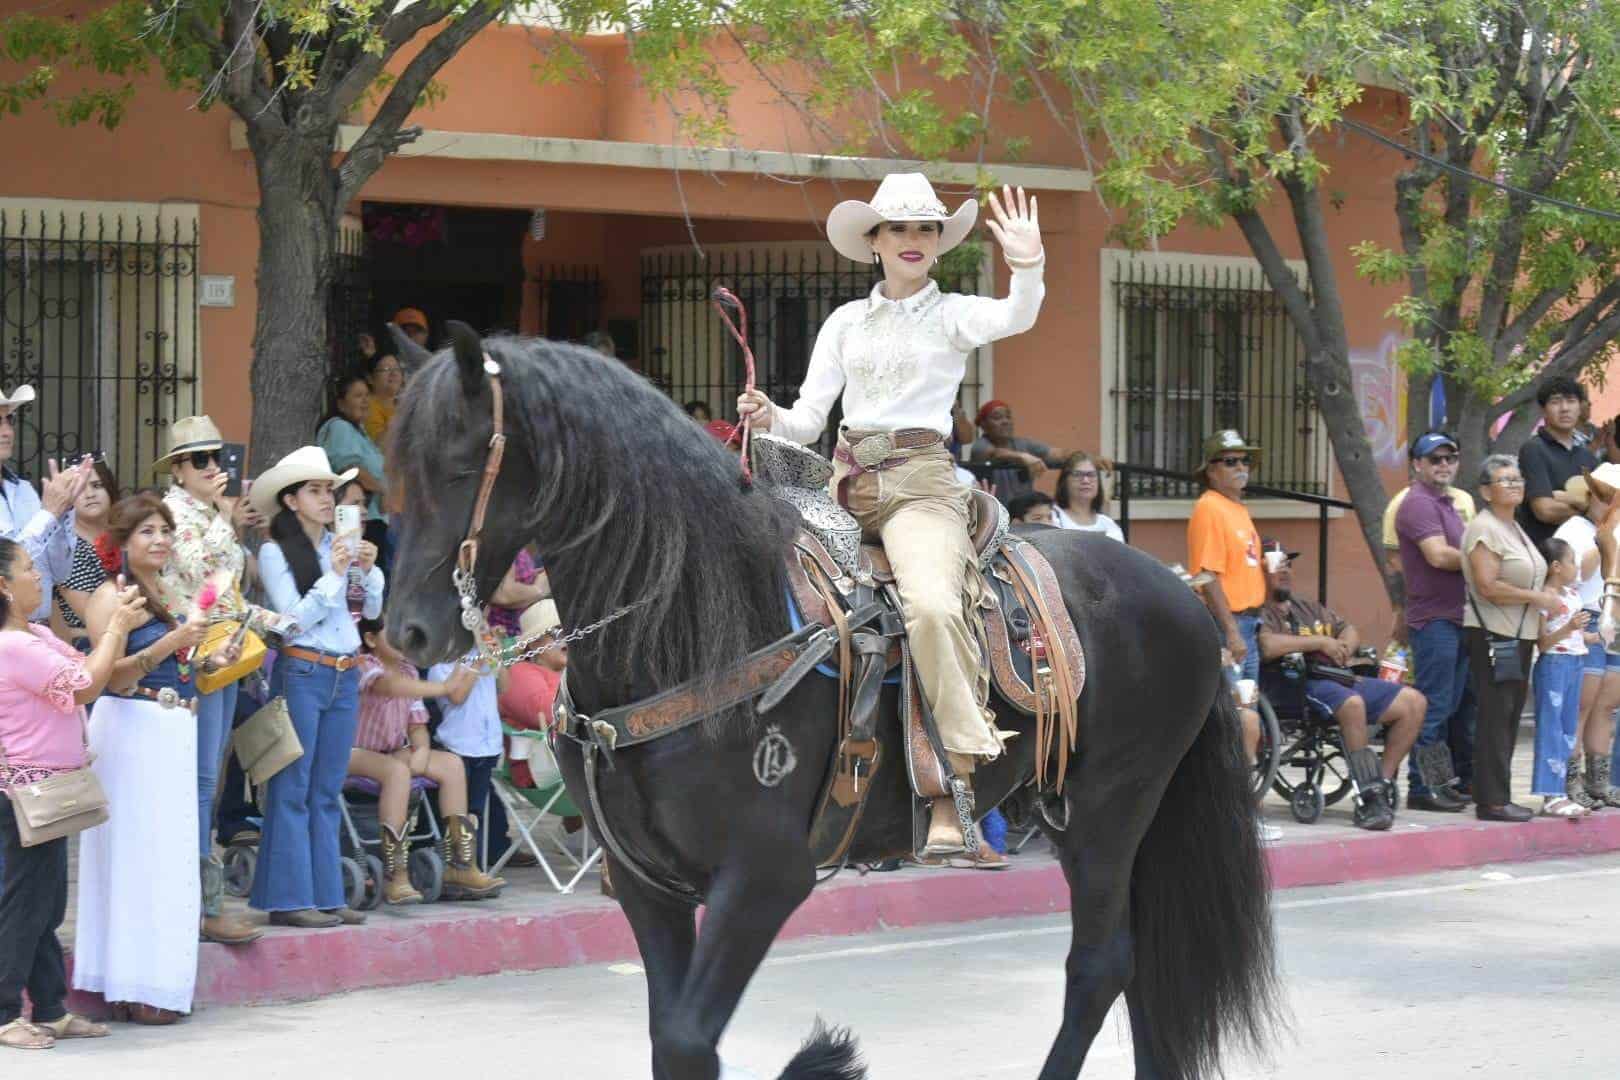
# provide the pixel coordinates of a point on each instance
(298, 222)
(1330, 380)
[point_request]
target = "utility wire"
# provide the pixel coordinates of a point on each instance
(1455, 170)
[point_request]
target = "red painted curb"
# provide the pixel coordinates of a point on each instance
(294, 965)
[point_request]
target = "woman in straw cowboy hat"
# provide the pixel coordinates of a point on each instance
(299, 879)
(897, 359)
(207, 553)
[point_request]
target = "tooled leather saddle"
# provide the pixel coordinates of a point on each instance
(1029, 643)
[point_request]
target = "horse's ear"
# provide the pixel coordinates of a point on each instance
(469, 349)
(411, 355)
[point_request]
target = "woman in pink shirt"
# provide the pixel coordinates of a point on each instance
(44, 686)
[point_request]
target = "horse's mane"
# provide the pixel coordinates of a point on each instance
(633, 500)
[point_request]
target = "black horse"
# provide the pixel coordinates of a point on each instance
(628, 500)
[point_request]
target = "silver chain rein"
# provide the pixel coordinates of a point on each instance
(473, 619)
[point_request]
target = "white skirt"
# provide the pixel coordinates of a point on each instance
(139, 885)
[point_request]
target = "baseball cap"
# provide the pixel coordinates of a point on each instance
(1429, 442)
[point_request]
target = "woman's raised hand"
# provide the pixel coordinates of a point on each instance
(753, 404)
(188, 635)
(130, 612)
(1016, 224)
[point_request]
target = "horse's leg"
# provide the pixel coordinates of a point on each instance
(665, 933)
(1146, 1067)
(1108, 816)
(767, 878)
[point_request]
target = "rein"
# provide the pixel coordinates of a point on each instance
(465, 574)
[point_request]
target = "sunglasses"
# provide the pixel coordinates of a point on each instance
(200, 458)
(1233, 461)
(1442, 459)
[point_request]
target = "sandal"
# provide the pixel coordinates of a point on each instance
(75, 1027)
(22, 1035)
(1561, 806)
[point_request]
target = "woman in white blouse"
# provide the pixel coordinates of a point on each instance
(1080, 498)
(897, 359)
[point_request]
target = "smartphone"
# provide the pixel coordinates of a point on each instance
(232, 458)
(347, 523)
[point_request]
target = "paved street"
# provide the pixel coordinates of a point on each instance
(1509, 972)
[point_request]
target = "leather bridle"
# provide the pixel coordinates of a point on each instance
(466, 572)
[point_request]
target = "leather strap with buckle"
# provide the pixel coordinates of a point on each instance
(341, 663)
(874, 451)
(166, 696)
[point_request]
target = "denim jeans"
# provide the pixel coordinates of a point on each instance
(1558, 713)
(215, 713)
(482, 800)
(1442, 678)
(235, 810)
(299, 860)
(1249, 630)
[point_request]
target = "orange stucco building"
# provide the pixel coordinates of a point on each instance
(1135, 357)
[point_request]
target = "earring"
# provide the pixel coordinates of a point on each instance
(877, 260)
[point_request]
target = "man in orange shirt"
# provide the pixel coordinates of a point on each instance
(1222, 540)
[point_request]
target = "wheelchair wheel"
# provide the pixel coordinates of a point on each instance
(354, 884)
(1313, 758)
(1268, 757)
(374, 884)
(240, 863)
(426, 867)
(1306, 803)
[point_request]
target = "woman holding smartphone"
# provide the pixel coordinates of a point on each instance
(206, 552)
(305, 568)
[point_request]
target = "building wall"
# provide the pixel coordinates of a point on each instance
(168, 150)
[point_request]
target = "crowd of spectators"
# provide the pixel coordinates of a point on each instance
(142, 608)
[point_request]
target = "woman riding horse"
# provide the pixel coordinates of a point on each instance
(897, 358)
(673, 571)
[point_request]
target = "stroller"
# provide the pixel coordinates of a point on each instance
(363, 875)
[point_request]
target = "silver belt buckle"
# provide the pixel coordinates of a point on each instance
(873, 450)
(168, 697)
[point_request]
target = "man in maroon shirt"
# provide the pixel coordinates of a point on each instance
(1430, 530)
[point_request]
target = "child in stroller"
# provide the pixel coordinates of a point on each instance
(391, 746)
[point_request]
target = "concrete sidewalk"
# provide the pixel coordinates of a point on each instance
(531, 928)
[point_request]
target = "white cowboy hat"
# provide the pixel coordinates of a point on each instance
(299, 467)
(20, 396)
(539, 618)
(187, 434)
(1607, 475)
(900, 197)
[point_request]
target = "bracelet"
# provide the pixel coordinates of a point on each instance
(1025, 264)
(145, 661)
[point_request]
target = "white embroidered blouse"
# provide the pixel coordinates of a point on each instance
(898, 363)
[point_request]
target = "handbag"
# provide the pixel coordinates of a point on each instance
(58, 806)
(266, 742)
(221, 635)
(1507, 663)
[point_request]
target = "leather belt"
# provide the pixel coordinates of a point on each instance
(167, 696)
(874, 451)
(314, 656)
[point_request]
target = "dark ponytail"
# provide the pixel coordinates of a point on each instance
(288, 533)
(8, 566)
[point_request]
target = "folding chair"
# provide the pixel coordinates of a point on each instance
(528, 809)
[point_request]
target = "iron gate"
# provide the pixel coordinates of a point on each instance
(789, 290)
(99, 314)
(348, 304)
(1199, 349)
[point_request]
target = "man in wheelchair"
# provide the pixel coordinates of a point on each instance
(1306, 652)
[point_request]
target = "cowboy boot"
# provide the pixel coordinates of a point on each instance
(396, 855)
(216, 926)
(1598, 786)
(462, 878)
(1575, 787)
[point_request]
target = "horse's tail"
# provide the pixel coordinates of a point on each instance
(1201, 910)
(828, 1054)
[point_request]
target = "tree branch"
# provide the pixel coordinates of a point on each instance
(400, 28)
(384, 136)
(244, 87)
